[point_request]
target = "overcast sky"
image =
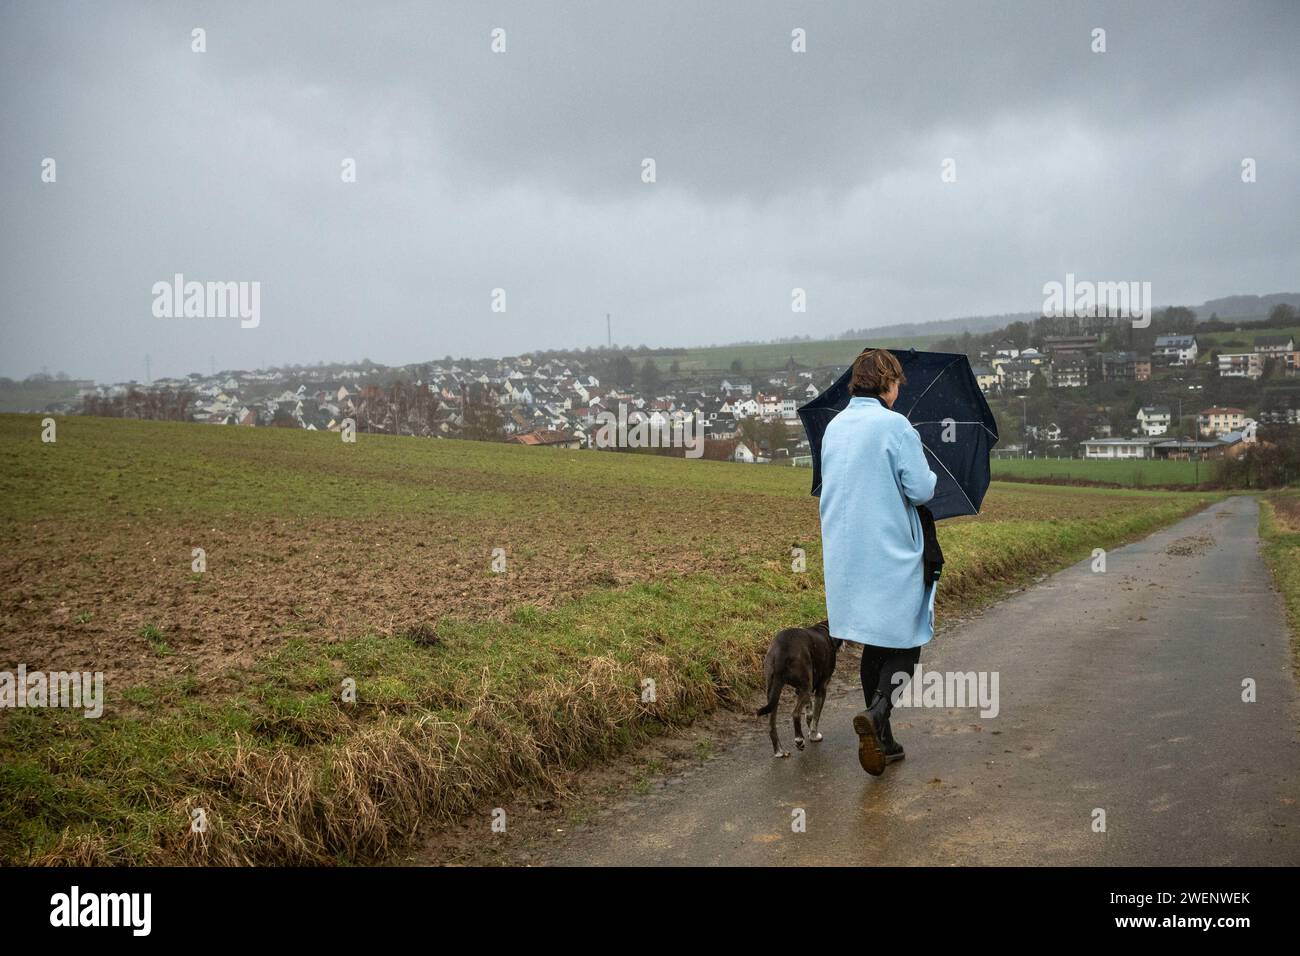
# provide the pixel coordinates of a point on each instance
(522, 170)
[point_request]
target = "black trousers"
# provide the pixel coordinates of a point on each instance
(880, 664)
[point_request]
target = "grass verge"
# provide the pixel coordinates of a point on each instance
(1279, 532)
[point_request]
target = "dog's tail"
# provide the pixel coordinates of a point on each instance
(774, 688)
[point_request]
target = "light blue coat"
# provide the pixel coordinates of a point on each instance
(874, 474)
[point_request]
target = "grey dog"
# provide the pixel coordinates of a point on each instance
(804, 658)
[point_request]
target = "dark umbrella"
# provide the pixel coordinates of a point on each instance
(940, 388)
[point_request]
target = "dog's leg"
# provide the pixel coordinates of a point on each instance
(818, 701)
(776, 742)
(800, 705)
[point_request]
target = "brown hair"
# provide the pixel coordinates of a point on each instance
(874, 371)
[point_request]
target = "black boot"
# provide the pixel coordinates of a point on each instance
(870, 726)
(893, 749)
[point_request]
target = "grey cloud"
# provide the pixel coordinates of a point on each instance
(521, 171)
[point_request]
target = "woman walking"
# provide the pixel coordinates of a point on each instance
(874, 474)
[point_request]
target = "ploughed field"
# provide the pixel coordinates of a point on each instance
(370, 565)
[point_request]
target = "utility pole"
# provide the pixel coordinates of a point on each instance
(609, 334)
(1024, 426)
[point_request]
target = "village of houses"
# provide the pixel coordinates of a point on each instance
(537, 403)
(559, 402)
(1073, 362)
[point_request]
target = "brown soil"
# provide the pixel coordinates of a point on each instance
(77, 596)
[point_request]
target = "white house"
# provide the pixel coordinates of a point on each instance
(769, 406)
(1154, 420)
(1016, 374)
(1176, 349)
(1116, 448)
(1274, 345)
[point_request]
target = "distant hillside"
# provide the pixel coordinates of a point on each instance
(1245, 306)
(751, 356)
(1227, 307)
(941, 328)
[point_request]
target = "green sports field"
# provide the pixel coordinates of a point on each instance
(1129, 474)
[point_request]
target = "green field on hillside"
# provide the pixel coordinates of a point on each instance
(1130, 474)
(330, 565)
(834, 352)
(27, 396)
(1243, 341)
